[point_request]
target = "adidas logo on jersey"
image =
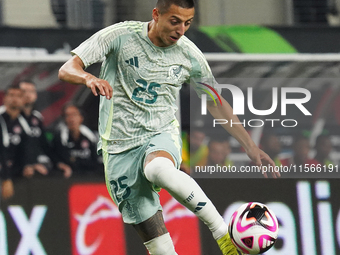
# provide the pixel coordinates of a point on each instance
(133, 61)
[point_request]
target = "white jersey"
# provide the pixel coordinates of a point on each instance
(146, 80)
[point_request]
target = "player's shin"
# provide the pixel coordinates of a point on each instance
(184, 189)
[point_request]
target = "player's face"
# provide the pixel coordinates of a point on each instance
(73, 118)
(170, 26)
(30, 93)
(13, 99)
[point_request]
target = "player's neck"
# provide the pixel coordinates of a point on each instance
(152, 32)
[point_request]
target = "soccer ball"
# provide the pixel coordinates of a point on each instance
(253, 228)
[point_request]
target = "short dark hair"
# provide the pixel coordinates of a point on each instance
(68, 105)
(12, 86)
(164, 5)
(266, 137)
(321, 138)
(26, 81)
(300, 137)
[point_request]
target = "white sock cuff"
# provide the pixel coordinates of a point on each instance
(161, 161)
(161, 245)
(151, 170)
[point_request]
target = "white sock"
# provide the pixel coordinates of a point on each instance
(162, 172)
(161, 245)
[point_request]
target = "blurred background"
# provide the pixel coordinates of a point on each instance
(293, 43)
(100, 13)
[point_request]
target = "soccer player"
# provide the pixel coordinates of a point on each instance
(145, 64)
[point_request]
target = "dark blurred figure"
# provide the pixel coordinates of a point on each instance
(301, 148)
(80, 14)
(6, 184)
(41, 163)
(311, 11)
(59, 10)
(198, 146)
(194, 149)
(323, 147)
(15, 138)
(75, 144)
(218, 152)
(270, 144)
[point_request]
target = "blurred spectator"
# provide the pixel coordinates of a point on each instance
(323, 147)
(194, 148)
(75, 144)
(6, 183)
(198, 146)
(15, 137)
(270, 144)
(185, 165)
(218, 152)
(41, 163)
(301, 148)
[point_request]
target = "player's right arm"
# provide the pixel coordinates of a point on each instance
(73, 72)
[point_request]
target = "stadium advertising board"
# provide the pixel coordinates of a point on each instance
(308, 211)
(93, 216)
(53, 216)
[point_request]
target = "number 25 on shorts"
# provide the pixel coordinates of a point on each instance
(118, 185)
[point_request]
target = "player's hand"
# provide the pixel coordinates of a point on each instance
(66, 169)
(99, 86)
(28, 171)
(7, 189)
(260, 158)
(40, 168)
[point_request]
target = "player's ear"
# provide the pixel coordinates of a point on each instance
(155, 14)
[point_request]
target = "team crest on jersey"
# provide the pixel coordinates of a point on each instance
(35, 122)
(175, 72)
(85, 144)
(17, 129)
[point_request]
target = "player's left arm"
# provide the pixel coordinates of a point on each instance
(225, 111)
